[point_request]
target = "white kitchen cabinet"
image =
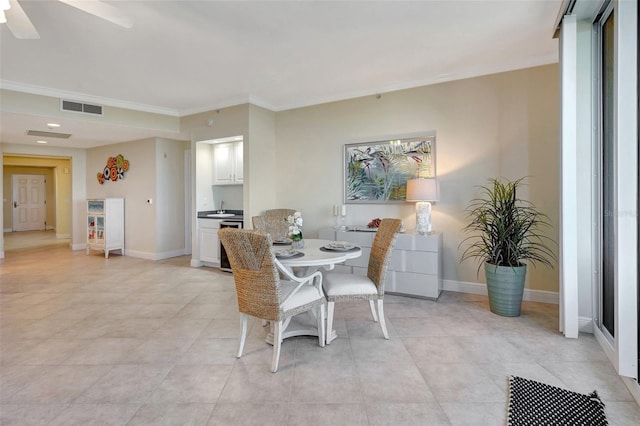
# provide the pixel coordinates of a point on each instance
(208, 241)
(238, 162)
(415, 268)
(105, 225)
(228, 163)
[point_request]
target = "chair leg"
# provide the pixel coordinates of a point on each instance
(243, 333)
(373, 310)
(277, 343)
(321, 330)
(329, 332)
(383, 324)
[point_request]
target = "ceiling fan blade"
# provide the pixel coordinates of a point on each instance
(101, 10)
(19, 23)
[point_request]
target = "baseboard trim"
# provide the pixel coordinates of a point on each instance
(630, 383)
(170, 254)
(605, 345)
(8, 230)
(195, 263)
(62, 236)
(82, 246)
(585, 325)
(154, 256)
(2, 254)
(633, 386)
(140, 254)
(542, 296)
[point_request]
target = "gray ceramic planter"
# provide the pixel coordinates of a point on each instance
(505, 285)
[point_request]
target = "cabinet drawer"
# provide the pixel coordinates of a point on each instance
(362, 239)
(418, 242)
(423, 262)
(408, 283)
(209, 223)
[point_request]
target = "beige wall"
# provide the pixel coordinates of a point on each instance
(137, 186)
(152, 231)
(260, 160)
(498, 125)
(170, 197)
(58, 173)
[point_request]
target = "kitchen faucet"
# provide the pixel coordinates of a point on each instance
(221, 207)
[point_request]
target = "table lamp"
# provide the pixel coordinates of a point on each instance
(422, 191)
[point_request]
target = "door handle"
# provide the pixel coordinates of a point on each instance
(15, 204)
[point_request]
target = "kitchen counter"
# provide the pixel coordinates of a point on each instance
(237, 215)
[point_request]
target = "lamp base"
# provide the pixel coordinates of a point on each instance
(423, 217)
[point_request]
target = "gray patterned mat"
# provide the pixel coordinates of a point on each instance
(535, 403)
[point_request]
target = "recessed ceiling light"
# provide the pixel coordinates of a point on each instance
(53, 125)
(41, 141)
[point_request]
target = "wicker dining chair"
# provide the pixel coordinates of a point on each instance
(263, 294)
(281, 213)
(275, 226)
(342, 287)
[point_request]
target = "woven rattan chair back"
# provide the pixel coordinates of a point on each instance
(381, 251)
(254, 272)
(281, 213)
(275, 226)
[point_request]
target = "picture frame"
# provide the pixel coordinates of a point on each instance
(377, 172)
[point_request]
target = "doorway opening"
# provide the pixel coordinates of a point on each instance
(29, 203)
(58, 194)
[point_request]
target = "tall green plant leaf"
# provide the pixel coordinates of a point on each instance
(505, 230)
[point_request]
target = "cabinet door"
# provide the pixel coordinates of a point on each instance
(223, 164)
(209, 245)
(238, 162)
(91, 229)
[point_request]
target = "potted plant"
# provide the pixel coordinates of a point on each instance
(505, 232)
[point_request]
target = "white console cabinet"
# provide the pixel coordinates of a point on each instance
(415, 268)
(105, 225)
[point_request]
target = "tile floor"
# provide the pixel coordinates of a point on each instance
(126, 341)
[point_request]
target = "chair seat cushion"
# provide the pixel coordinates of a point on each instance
(306, 294)
(341, 284)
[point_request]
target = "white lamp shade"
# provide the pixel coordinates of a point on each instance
(422, 189)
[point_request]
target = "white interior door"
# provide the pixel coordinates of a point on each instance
(29, 210)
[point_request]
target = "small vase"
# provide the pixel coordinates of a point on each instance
(297, 244)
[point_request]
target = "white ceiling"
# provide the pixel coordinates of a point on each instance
(182, 57)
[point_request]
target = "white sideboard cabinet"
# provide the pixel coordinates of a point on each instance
(105, 225)
(415, 268)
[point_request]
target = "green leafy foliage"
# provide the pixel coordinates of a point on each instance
(505, 230)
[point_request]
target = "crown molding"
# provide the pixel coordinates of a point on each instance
(84, 98)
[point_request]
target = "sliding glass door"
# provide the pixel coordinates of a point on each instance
(638, 173)
(607, 166)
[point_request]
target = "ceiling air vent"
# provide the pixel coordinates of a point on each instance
(80, 107)
(48, 134)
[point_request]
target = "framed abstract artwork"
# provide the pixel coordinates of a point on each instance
(377, 172)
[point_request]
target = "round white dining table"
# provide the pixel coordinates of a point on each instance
(313, 258)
